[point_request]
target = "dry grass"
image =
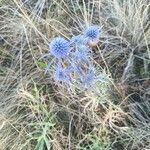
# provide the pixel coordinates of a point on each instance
(37, 114)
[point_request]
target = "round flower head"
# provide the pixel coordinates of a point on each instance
(88, 79)
(59, 47)
(61, 74)
(82, 53)
(92, 35)
(78, 40)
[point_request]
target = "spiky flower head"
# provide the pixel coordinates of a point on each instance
(88, 79)
(92, 34)
(81, 53)
(61, 74)
(78, 40)
(59, 47)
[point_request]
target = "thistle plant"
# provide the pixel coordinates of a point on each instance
(73, 65)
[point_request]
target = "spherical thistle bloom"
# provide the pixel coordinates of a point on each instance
(61, 75)
(59, 47)
(78, 40)
(82, 53)
(88, 79)
(92, 35)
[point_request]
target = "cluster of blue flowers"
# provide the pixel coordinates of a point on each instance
(73, 63)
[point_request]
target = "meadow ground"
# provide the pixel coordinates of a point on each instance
(36, 113)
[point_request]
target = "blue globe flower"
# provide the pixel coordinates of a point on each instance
(92, 35)
(78, 40)
(92, 32)
(81, 53)
(88, 79)
(61, 75)
(59, 47)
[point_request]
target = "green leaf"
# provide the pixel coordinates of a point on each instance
(42, 65)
